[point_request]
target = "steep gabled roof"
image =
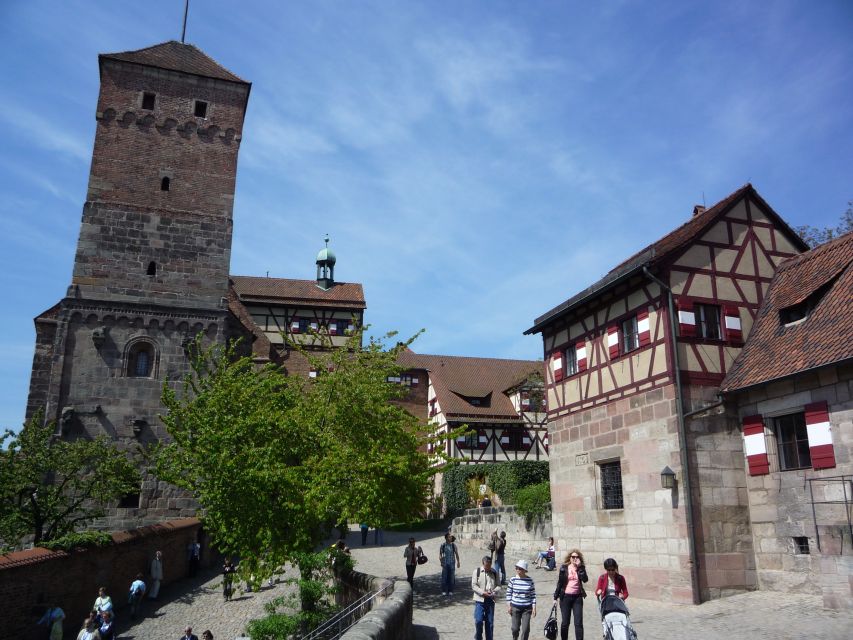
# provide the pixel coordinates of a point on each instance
(456, 378)
(822, 279)
(176, 56)
(664, 249)
(343, 295)
(262, 348)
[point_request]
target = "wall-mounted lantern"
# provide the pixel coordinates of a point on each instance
(667, 478)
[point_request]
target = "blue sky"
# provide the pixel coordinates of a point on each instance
(475, 163)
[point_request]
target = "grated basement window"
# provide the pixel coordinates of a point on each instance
(801, 545)
(611, 485)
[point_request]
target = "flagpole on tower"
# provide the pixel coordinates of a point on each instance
(186, 10)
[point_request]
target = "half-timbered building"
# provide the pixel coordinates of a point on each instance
(500, 401)
(639, 470)
(315, 314)
(792, 390)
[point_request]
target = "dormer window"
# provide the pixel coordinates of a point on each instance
(149, 100)
(200, 109)
(803, 309)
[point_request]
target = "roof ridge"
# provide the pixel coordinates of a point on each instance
(816, 252)
(434, 355)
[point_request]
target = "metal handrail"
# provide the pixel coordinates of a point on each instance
(345, 619)
(847, 502)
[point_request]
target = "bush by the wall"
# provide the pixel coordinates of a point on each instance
(533, 501)
(504, 478)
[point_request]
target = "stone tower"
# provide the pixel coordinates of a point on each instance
(151, 267)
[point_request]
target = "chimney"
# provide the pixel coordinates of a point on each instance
(697, 209)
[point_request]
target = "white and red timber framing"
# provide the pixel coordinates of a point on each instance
(630, 363)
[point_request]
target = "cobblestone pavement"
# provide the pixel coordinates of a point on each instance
(198, 603)
(756, 616)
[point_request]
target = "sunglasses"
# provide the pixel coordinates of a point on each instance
(574, 557)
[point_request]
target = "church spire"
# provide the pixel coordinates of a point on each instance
(326, 267)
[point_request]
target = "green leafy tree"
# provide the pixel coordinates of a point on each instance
(815, 236)
(50, 487)
(275, 460)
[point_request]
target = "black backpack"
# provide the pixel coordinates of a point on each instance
(551, 624)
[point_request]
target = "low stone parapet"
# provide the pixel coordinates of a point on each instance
(391, 615)
(523, 540)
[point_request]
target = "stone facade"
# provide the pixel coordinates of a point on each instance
(152, 261)
(812, 505)
(523, 539)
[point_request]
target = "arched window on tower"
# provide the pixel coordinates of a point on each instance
(140, 360)
(152, 269)
(165, 183)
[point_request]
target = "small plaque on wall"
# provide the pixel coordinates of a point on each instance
(581, 459)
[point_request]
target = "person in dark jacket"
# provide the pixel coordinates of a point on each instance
(570, 593)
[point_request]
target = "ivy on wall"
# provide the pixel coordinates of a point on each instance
(503, 478)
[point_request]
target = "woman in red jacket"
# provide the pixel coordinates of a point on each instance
(611, 582)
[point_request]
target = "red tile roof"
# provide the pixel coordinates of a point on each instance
(455, 378)
(345, 295)
(663, 249)
(176, 56)
(824, 337)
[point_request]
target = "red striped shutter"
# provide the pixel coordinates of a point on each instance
(526, 442)
(545, 441)
(731, 318)
(686, 318)
(557, 365)
(613, 341)
(460, 442)
(644, 328)
(755, 446)
(482, 439)
(294, 326)
(820, 435)
(580, 353)
(333, 328)
(505, 438)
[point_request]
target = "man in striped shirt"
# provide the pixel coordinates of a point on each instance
(521, 600)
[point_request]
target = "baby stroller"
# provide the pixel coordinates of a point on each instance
(615, 620)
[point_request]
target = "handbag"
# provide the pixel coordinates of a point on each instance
(422, 559)
(551, 624)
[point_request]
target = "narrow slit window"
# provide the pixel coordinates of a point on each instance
(152, 268)
(200, 109)
(165, 183)
(148, 101)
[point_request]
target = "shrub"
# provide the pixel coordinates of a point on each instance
(79, 540)
(503, 478)
(533, 501)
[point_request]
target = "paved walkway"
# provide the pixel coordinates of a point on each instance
(753, 616)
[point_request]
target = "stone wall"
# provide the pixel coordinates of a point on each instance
(522, 541)
(781, 502)
(391, 615)
(32, 580)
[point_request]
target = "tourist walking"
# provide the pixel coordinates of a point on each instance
(206, 635)
(193, 557)
(484, 583)
(134, 596)
(103, 602)
(570, 593)
(378, 536)
(365, 528)
(500, 548)
(189, 635)
(411, 553)
(53, 620)
(156, 575)
(611, 582)
(89, 631)
(228, 571)
(107, 628)
(521, 601)
(448, 555)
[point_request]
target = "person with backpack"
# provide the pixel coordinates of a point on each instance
(500, 548)
(448, 555)
(570, 593)
(484, 582)
(134, 596)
